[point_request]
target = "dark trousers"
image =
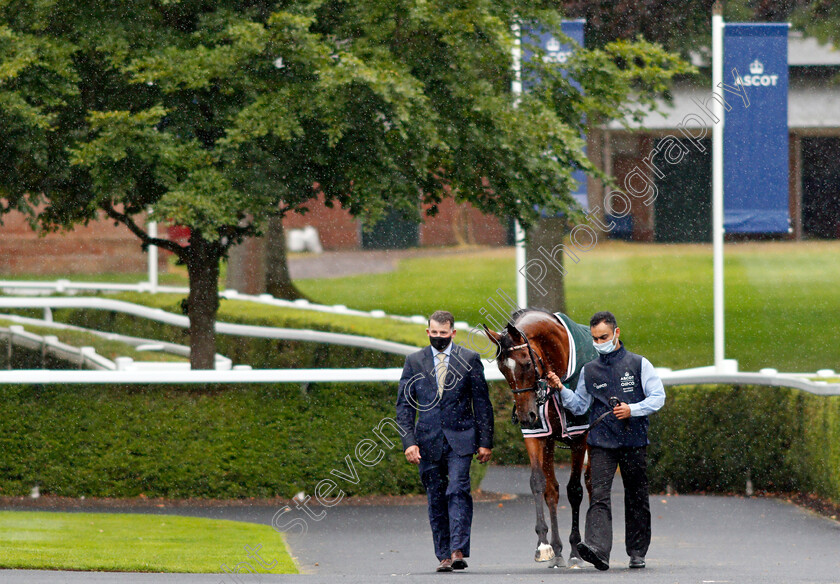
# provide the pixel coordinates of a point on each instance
(447, 483)
(633, 465)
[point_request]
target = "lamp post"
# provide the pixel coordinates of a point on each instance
(519, 232)
(717, 182)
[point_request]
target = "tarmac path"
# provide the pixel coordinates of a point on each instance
(696, 539)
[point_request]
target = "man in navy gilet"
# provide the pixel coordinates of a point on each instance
(443, 388)
(619, 440)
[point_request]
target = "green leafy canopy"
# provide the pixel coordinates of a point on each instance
(218, 114)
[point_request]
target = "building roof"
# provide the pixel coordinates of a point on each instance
(807, 51)
(802, 52)
(810, 105)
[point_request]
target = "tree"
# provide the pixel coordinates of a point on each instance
(36, 79)
(676, 25)
(686, 27)
(820, 18)
(220, 115)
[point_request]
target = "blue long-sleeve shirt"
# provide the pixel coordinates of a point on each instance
(580, 400)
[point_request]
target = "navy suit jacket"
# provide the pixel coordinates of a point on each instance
(463, 415)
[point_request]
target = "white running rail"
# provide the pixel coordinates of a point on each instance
(21, 287)
(244, 374)
(19, 337)
(50, 346)
(178, 320)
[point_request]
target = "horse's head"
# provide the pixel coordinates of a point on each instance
(519, 362)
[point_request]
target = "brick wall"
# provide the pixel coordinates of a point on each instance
(454, 224)
(336, 227)
(97, 247)
(103, 247)
(458, 224)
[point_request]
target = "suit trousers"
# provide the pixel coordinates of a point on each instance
(447, 484)
(633, 465)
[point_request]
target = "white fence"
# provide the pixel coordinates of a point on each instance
(244, 374)
(68, 287)
(178, 320)
(50, 346)
(119, 363)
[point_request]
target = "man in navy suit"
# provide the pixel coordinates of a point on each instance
(443, 388)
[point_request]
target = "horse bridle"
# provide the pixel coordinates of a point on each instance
(540, 387)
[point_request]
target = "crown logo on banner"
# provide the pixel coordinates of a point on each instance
(756, 67)
(553, 45)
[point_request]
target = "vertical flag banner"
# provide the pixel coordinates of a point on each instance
(557, 52)
(755, 137)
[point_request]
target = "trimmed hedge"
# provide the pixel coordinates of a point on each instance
(707, 438)
(276, 440)
(219, 442)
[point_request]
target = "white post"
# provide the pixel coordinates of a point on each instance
(519, 233)
(521, 282)
(717, 182)
(153, 256)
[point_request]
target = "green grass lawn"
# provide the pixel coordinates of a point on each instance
(782, 298)
(136, 543)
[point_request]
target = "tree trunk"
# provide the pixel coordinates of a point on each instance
(246, 266)
(203, 301)
(547, 234)
(278, 282)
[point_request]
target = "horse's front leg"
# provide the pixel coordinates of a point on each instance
(574, 490)
(552, 497)
(544, 551)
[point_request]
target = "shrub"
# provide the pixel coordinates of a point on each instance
(209, 442)
(708, 438)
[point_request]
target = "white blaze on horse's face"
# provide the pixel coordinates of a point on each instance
(510, 363)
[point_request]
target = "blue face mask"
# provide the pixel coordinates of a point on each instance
(607, 347)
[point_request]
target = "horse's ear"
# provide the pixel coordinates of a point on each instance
(492, 335)
(513, 332)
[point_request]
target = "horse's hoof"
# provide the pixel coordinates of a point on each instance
(575, 564)
(544, 553)
(557, 562)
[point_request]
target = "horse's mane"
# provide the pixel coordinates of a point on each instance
(505, 341)
(520, 312)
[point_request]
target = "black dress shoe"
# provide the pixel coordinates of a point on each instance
(590, 555)
(458, 561)
(445, 565)
(637, 561)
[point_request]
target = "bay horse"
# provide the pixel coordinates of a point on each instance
(533, 343)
